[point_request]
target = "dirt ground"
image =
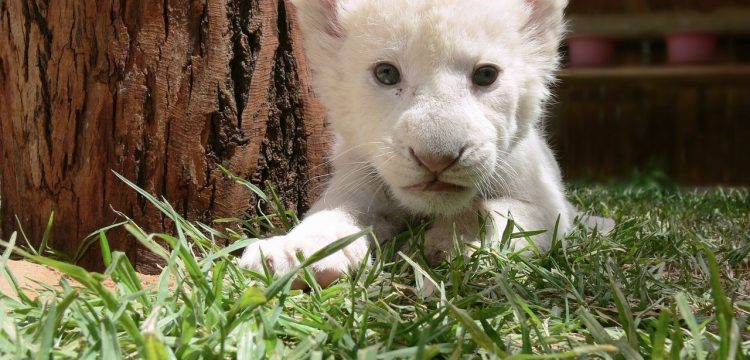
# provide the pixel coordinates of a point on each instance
(30, 276)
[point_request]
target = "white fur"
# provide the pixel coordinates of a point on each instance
(504, 164)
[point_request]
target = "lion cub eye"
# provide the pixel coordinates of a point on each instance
(387, 74)
(485, 75)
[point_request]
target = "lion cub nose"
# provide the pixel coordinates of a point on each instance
(436, 163)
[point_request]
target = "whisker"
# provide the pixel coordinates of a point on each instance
(344, 152)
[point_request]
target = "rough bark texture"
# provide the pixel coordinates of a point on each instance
(160, 91)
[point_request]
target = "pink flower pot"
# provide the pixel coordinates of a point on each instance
(691, 48)
(590, 51)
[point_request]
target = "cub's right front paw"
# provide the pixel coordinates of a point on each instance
(280, 255)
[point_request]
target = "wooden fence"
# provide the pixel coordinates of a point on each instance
(693, 121)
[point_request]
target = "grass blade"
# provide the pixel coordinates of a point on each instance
(687, 315)
(660, 336)
(48, 333)
(623, 310)
(477, 335)
(106, 252)
(43, 246)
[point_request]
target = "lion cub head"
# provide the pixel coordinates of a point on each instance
(433, 94)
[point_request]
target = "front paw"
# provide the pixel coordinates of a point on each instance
(440, 246)
(441, 239)
(438, 251)
(276, 252)
(281, 255)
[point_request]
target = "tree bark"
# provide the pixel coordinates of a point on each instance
(160, 91)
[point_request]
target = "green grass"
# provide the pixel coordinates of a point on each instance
(672, 281)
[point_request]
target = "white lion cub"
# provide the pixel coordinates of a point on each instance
(436, 106)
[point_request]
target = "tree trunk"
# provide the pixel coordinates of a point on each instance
(162, 92)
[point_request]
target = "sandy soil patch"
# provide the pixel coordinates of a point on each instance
(30, 276)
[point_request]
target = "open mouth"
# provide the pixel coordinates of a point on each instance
(436, 185)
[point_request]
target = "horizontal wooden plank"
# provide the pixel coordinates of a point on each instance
(730, 74)
(724, 21)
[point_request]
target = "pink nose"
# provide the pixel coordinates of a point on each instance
(435, 163)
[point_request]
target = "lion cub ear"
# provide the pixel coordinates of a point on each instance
(547, 23)
(321, 28)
